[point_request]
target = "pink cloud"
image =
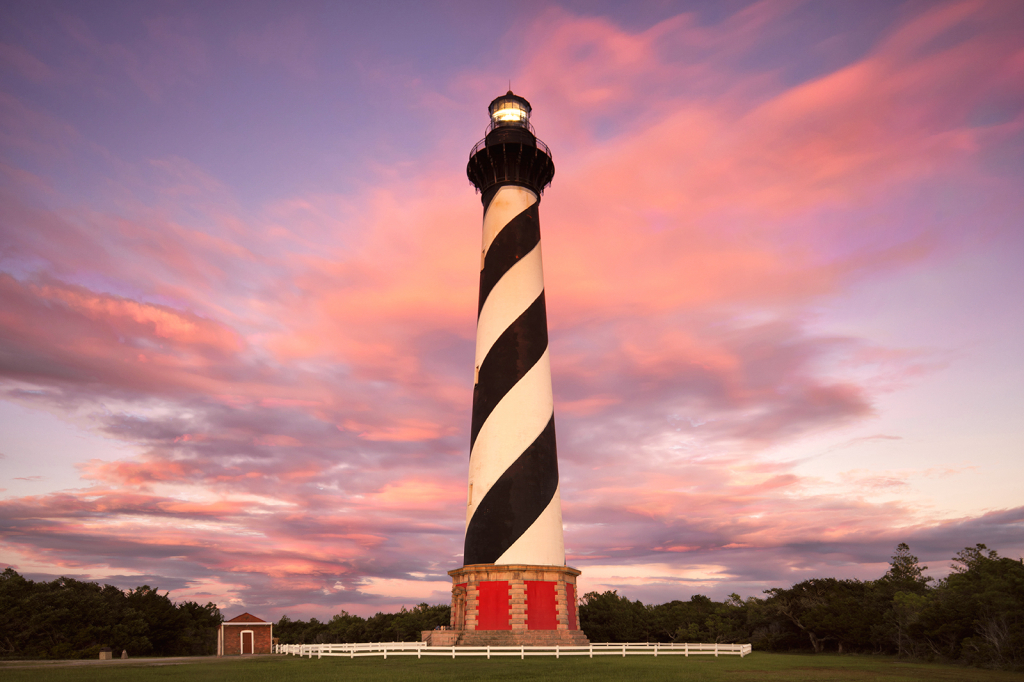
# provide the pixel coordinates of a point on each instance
(62, 334)
(715, 176)
(279, 440)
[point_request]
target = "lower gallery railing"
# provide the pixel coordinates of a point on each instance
(420, 649)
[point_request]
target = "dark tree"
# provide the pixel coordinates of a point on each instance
(68, 618)
(900, 595)
(826, 610)
(905, 574)
(607, 617)
(977, 613)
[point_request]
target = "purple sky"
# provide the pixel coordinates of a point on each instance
(238, 280)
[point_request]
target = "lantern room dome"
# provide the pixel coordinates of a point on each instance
(510, 110)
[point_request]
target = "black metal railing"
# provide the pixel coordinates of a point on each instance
(483, 143)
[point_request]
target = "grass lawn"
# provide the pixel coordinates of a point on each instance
(757, 667)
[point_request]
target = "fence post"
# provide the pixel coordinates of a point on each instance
(522, 652)
(556, 651)
(716, 649)
(686, 649)
(655, 649)
(623, 650)
(591, 649)
(453, 651)
(488, 652)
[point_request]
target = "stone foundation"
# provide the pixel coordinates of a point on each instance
(516, 604)
(440, 637)
(521, 637)
(504, 638)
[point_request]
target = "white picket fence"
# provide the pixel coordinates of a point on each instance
(420, 649)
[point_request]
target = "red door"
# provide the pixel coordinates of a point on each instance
(247, 642)
(492, 612)
(541, 606)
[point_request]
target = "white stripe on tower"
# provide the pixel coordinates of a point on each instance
(514, 514)
(512, 295)
(508, 202)
(546, 534)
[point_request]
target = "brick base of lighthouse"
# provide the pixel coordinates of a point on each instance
(513, 604)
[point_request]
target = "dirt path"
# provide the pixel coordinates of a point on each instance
(128, 662)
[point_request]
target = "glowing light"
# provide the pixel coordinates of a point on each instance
(514, 114)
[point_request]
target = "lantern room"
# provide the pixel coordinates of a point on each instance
(510, 111)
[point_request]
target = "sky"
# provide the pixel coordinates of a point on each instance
(238, 279)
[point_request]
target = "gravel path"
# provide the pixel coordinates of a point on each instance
(128, 662)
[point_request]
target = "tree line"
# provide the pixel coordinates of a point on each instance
(975, 615)
(68, 618)
(404, 626)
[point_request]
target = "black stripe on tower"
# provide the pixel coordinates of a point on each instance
(516, 239)
(515, 500)
(513, 354)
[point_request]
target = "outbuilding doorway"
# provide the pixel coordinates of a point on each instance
(246, 642)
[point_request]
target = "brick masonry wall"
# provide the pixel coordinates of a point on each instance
(562, 608)
(517, 600)
(233, 640)
(466, 594)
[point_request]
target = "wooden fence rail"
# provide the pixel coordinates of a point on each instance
(420, 649)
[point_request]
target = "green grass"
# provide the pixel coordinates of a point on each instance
(759, 667)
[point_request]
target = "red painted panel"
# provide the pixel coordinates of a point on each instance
(493, 606)
(570, 594)
(541, 605)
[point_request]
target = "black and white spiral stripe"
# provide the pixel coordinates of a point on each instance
(514, 514)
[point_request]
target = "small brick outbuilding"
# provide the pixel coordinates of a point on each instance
(243, 635)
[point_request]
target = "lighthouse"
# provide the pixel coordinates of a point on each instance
(515, 586)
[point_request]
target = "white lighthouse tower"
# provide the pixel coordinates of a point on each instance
(514, 586)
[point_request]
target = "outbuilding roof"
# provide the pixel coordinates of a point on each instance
(246, 618)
